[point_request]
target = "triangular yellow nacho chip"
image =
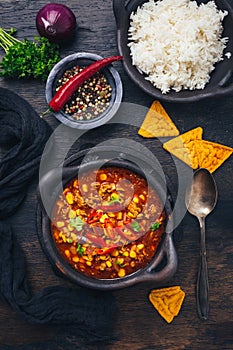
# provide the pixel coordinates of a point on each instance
(183, 146)
(157, 123)
(168, 291)
(162, 308)
(176, 302)
(211, 155)
(167, 304)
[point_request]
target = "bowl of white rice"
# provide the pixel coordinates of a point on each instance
(177, 51)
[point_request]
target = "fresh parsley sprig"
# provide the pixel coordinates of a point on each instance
(27, 59)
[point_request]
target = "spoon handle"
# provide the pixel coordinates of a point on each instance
(202, 278)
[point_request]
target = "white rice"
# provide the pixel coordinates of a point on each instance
(176, 43)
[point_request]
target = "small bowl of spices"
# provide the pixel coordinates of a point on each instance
(84, 91)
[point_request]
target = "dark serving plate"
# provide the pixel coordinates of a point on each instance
(221, 81)
(164, 263)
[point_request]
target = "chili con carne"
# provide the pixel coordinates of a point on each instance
(108, 244)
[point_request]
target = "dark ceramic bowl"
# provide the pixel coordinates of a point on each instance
(112, 76)
(164, 263)
(221, 82)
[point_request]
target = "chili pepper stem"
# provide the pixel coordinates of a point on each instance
(46, 112)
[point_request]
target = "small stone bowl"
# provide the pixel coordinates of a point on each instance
(113, 79)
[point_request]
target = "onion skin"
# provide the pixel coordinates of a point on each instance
(56, 22)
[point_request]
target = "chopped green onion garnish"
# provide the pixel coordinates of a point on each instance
(155, 225)
(135, 226)
(80, 249)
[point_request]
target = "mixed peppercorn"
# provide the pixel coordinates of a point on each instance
(90, 99)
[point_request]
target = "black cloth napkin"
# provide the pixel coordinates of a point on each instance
(23, 135)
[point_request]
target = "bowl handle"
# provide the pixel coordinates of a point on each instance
(225, 86)
(168, 270)
(119, 12)
(226, 80)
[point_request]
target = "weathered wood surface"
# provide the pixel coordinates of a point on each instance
(138, 326)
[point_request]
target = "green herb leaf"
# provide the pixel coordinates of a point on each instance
(27, 59)
(77, 223)
(80, 249)
(155, 225)
(135, 226)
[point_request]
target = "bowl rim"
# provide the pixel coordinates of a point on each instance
(103, 117)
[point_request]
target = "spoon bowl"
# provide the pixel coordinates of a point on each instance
(201, 198)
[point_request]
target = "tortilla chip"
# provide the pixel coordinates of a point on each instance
(165, 291)
(183, 146)
(162, 308)
(211, 155)
(176, 303)
(167, 301)
(157, 123)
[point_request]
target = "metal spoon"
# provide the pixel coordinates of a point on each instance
(200, 200)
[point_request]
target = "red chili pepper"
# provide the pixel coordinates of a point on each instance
(97, 241)
(69, 88)
(94, 216)
(106, 250)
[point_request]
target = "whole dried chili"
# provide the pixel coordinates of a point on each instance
(67, 90)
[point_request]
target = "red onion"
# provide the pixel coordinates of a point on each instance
(56, 22)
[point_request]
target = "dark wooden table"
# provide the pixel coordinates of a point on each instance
(138, 326)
